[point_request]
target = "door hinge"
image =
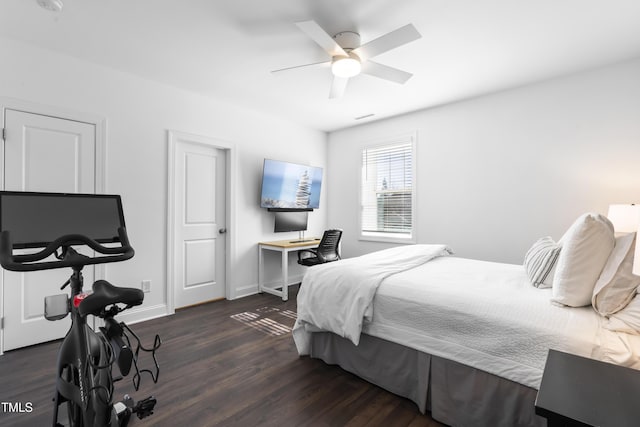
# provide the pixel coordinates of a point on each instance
(1, 322)
(3, 133)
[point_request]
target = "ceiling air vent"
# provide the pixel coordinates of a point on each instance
(366, 116)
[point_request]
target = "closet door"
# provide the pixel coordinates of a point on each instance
(49, 154)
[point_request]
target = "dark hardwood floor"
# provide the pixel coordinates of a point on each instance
(216, 370)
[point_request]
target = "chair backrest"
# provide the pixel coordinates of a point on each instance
(328, 248)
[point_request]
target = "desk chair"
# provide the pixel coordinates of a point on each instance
(326, 251)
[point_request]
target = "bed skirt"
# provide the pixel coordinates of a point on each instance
(455, 394)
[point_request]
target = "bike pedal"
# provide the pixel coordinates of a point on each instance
(127, 400)
(119, 407)
(144, 407)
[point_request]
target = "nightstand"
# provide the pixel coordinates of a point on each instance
(577, 391)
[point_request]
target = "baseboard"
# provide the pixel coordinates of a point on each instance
(145, 313)
(246, 291)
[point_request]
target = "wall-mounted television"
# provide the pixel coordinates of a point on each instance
(290, 186)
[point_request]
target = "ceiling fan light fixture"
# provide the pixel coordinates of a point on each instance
(346, 66)
(51, 5)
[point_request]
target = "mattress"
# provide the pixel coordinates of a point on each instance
(482, 314)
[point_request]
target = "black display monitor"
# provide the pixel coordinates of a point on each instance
(291, 221)
(36, 219)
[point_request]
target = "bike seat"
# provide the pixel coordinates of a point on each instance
(104, 294)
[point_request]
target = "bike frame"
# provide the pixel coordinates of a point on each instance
(79, 345)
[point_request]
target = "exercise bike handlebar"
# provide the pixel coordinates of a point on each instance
(33, 262)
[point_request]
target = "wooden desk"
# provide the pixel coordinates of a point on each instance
(577, 391)
(284, 247)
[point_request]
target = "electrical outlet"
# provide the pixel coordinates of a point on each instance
(146, 286)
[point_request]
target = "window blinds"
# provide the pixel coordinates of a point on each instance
(387, 186)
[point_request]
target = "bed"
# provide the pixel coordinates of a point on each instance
(464, 339)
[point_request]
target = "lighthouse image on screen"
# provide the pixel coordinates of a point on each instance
(290, 186)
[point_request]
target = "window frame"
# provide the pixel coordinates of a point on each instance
(387, 237)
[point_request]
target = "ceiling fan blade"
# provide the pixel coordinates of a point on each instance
(301, 66)
(338, 86)
(385, 72)
(320, 36)
(389, 41)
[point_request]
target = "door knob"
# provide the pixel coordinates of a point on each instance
(222, 230)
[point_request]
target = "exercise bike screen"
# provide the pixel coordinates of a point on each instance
(36, 219)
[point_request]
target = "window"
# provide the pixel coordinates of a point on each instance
(387, 194)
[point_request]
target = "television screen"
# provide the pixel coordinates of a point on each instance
(36, 219)
(290, 186)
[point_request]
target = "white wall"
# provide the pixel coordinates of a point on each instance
(138, 114)
(499, 171)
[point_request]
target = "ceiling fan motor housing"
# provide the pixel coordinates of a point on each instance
(348, 40)
(51, 5)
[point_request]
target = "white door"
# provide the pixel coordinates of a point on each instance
(42, 153)
(199, 174)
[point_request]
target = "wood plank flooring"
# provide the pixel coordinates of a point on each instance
(219, 370)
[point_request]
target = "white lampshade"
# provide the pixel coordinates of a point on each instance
(636, 258)
(625, 218)
(346, 66)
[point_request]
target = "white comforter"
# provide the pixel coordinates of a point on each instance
(482, 314)
(338, 296)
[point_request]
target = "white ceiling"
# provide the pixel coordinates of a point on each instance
(227, 48)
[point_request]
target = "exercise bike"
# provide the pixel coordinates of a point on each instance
(55, 223)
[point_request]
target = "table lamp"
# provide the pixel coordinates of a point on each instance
(626, 219)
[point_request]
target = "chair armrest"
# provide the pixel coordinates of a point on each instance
(311, 251)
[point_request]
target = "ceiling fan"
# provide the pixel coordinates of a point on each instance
(349, 58)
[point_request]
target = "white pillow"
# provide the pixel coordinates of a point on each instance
(585, 249)
(540, 262)
(617, 285)
(628, 319)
